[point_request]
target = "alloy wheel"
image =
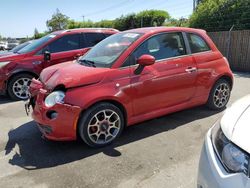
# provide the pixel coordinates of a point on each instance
(104, 126)
(21, 88)
(221, 95)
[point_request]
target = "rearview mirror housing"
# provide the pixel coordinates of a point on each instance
(47, 56)
(144, 60)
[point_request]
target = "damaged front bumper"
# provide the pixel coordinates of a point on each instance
(58, 122)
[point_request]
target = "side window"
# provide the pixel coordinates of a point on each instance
(162, 46)
(107, 35)
(197, 44)
(92, 39)
(65, 43)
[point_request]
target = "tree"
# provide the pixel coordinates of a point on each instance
(36, 34)
(220, 15)
(182, 22)
(149, 18)
(105, 24)
(145, 18)
(125, 22)
(58, 21)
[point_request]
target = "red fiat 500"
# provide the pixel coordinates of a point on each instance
(128, 78)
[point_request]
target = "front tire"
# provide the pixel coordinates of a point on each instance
(219, 95)
(18, 86)
(101, 124)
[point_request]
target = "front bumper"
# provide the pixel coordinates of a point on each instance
(212, 174)
(60, 127)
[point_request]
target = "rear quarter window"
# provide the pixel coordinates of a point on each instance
(197, 43)
(91, 39)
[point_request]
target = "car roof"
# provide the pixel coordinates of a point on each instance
(84, 30)
(152, 30)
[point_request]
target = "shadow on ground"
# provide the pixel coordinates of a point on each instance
(36, 153)
(5, 99)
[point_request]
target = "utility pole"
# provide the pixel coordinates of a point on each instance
(142, 21)
(83, 18)
(229, 40)
(194, 5)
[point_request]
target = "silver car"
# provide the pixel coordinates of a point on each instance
(225, 157)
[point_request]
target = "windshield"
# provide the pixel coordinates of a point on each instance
(36, 44)
(105, 53)
(19, 47)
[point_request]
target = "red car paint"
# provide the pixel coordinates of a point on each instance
(34, 64)
(162, 88)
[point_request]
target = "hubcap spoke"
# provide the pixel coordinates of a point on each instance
(104, 126)
(221, 95)
(21, 88)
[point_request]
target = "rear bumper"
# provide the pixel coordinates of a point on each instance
(58, 122)
(212, 174)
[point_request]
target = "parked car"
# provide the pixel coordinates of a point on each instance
(3, 45)
(17, 70)
(12, 44)
(225, 157)
(128, 78)
(16, 49)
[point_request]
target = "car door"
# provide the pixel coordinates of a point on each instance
(65, 48)
(206, 60)
(170, 81)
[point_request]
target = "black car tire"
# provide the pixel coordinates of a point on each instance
(95, 111)
(13, 80)
(219, 95)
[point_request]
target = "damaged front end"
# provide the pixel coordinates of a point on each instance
(55, 119)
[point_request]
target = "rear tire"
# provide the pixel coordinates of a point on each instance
(18, 86)
(101, 124)
(219, 95)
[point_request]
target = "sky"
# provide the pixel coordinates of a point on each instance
(19, 18)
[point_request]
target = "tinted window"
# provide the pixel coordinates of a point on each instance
(197, 44)
(92, 39)
(108, 34)
(65, 43)
(162, 46)
(37, 43)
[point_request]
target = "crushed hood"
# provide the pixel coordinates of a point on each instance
(236, 123)
(71, 74)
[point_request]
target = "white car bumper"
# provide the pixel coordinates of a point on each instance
(212, 174)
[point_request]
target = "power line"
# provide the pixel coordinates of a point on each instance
(108, 8)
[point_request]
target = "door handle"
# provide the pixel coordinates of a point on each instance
(191, 69)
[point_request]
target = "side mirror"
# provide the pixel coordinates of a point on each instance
(47, 56)
(144, 60)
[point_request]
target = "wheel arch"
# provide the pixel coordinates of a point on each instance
(226, 77)
(21, 72)
(111, 101)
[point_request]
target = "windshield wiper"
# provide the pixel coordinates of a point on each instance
(87, 62)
